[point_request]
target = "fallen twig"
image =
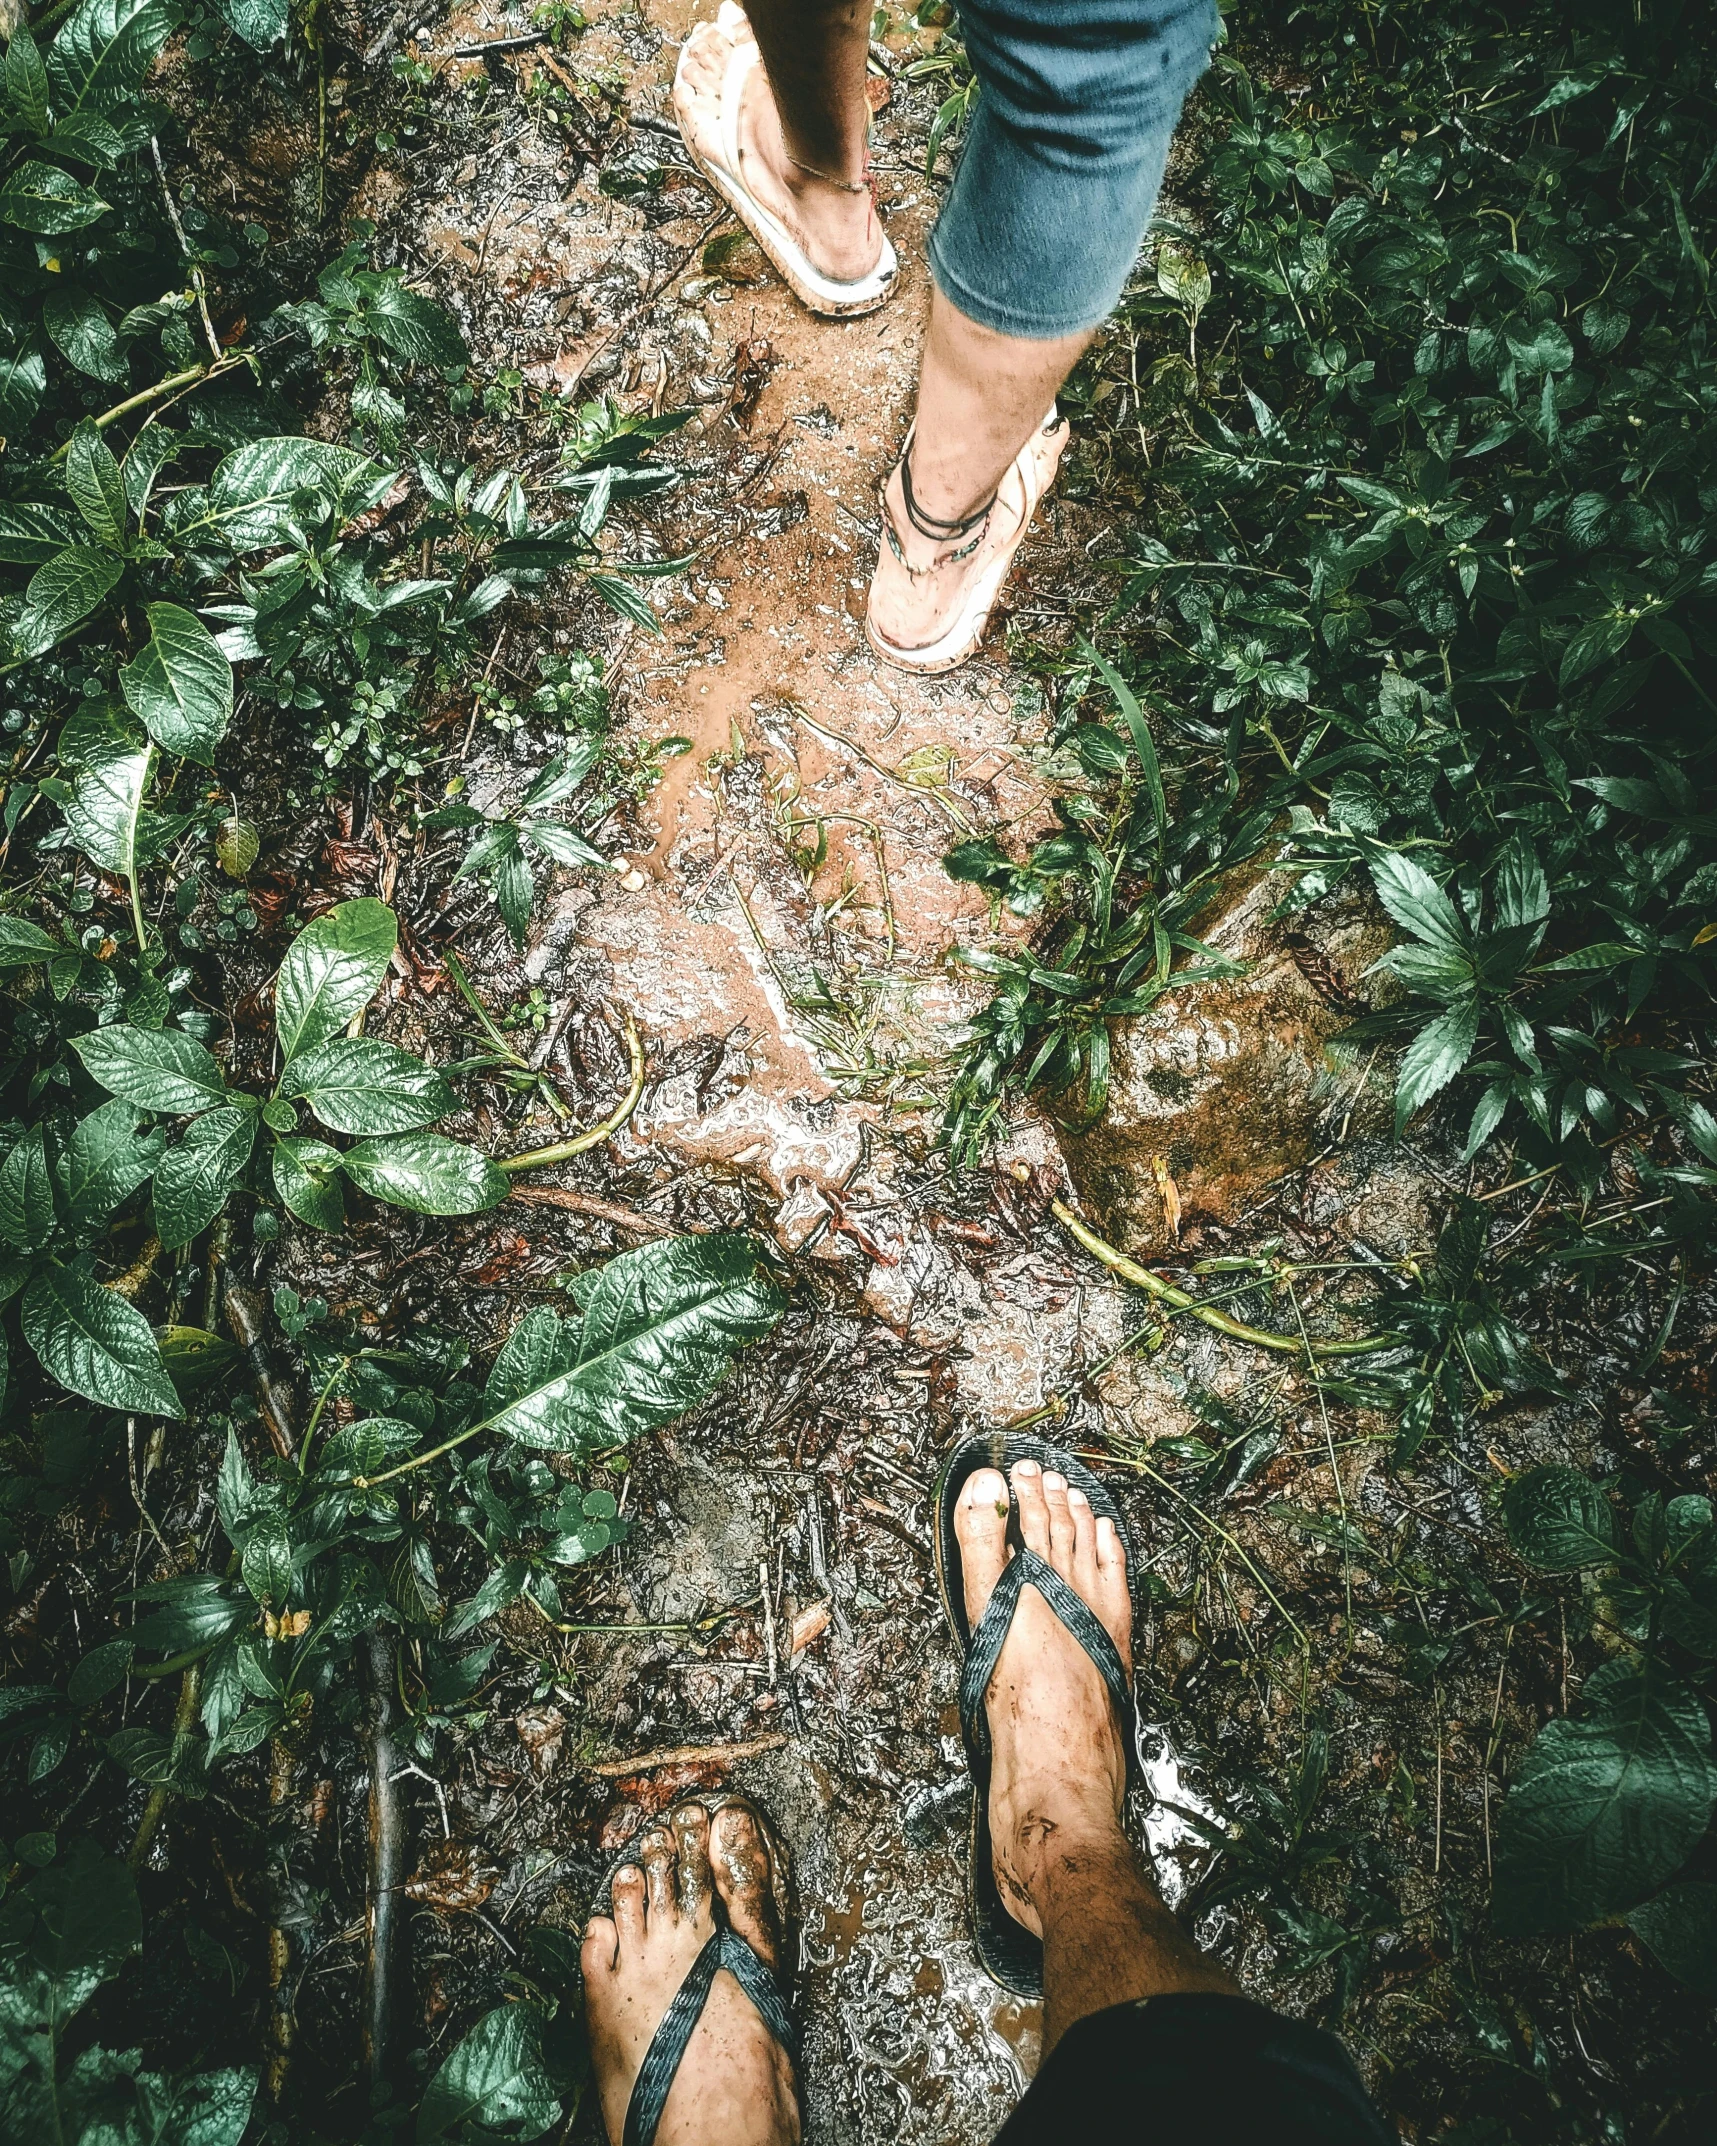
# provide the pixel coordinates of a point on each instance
(691, 1755)
(599, 1210)
(244, 1316)
(387, 1860)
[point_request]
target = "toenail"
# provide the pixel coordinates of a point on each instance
(1026, 1467)
(1077, 1497)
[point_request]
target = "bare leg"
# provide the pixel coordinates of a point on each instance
(804, 125)
(981, 396)
(1065, 1868)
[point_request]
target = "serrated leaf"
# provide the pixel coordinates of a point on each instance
(427, 1173)
(413, 328)
(107, 1157)
(307, 1178)
(1559, 1520)
(192, 1180)
(562, 844)
(1602, 1809)
(156, 1068)
(95, 1343)
(1416, 902)
(252, 493)
(355, 1085)
(103, 53)
(22, 944)
(660, 1330)
(181, 685)
(332, 970)
(26, 79)
(1436, 1054)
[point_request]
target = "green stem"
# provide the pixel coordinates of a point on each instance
(565, 1150)
(463, 986)
(1166, 1293)
(184, 1714)
(345, 1364)
(189, 378)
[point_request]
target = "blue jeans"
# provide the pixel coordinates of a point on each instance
(1061, 166)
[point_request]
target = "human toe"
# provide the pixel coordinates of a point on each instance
(744, 1877)
(1085, 1576)
(691, 1838)
(600, 1949)
(1061, 1529)
(660, 1872)
(981, 1530)
(1033, 1509)
(627, 1893)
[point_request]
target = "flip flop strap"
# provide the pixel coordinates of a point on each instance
(1026, 1569)
(668, 2044)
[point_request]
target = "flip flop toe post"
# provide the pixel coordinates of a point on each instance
(1009, 1953)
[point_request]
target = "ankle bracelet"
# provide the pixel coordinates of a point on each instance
(866, 185)
(934, 528)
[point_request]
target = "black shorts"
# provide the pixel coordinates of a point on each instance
(1196, 2071)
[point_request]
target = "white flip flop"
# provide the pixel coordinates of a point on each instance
(822, 294)
(1022, 487)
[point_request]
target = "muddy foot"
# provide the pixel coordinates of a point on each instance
(915, 604)
(735, 2085)
(1059, 1770)
(837, 229)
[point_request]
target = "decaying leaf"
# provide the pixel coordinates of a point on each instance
(455, 1877)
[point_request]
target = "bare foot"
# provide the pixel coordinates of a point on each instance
(912, 605)
(735, 2085)
(1059, 1771)
(837, 229)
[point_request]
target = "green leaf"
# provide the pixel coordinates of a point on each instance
(494, 2079)
(181, 685)
(61, 595)
(196, 1610)
(68, 1929)
(1436, 1054)
(307, 1178)
(105, 1160)
(1680, 1927)
(47, 200)
(1143, 743)
(413, 328)
(427, 1173)
(266, 1562)
(26, 80)
(87, 138)
(260, 23)
(256, 498)
(1603, 1809)
(156, 1068)
(332, 970)
(106, 802)
(562, 844)
(1416, 902)
(96, 487)
(95, 1343)
(193, 1179)
(79, 328)
(210, 2108)
(103, 53)
(27, 1217)
(100, 1670)
(660, 1330)
(31, 530)
(1559, 1520)
(357, 1086)
(22, 944)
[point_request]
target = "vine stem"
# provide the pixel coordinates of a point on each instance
(1166, 1293)
(565, 1150)
(184, 1714)
(170, 386)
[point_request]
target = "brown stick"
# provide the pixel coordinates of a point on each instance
(387, 1861)
(282, 2026)
(690, 1755)
(599, 1210)
(245, 1317)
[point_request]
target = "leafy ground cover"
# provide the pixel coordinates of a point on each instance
(1399, 454)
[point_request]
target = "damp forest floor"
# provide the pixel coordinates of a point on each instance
(1336, 1670)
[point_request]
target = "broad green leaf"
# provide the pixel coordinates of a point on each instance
(107, 1157)
(1416, 902)
(427, 1173)
(252, 493)
(47, 200)
(307, 1178)
(69, 1928)
(260, 23)
(495, 2079)
(26, 79)
(562, 844)
(100, 1670)
(413, 328)
(106, 803)
(179, 1761)
(661, 1327)
(540, 1347)
(210, 2108)
(87, 138)
(61, 595)
(156, 1068)
(332, 970)
(103, 53)
(32, 531)
(193, 1179)
(192, 1611)
(96, 487)
(1559, 1520)
(1680, 1927)
(181, 685)
(266, 1563)
(1436, 1054)
(23, 381)
(1602, 1809)
(27, 1217)
(95, 1343)
(22, 943)
(79, 328)
(357, 1086)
